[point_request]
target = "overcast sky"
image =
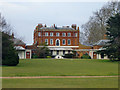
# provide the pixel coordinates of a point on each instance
(24, 16)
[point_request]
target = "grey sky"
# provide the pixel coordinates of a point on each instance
(24, 16)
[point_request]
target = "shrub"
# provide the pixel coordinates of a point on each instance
(49, 57)
(69, 55)
(86, 56)
(35, 56)
(11, 60)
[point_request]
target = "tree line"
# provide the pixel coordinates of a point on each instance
(95, 28)
(112, 48)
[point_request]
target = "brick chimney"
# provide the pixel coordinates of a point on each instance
(40, 25)
(78, 28)
(74, 26)
(105, 36)
(54, 25)
(45, 25)
(12, 35)
(67, 26)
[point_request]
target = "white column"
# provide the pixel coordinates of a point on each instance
(99, 56)
(54, 52)
(66, 52)
(105, 57)
(91, 54)
(61, 52)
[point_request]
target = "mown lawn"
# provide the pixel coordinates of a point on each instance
(65, 67)
(61, 83)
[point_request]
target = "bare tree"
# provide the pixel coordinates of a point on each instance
(4, 26)
(82, 37)
(41, 52)
(95, 28)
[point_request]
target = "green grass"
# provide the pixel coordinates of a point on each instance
(64, 67)
(61, 83)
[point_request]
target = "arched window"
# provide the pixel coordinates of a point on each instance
(57, 42)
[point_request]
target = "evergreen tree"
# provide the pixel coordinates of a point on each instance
(112, 49)
(9, 55)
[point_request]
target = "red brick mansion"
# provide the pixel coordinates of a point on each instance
(60, 40)
(57, 36)
(63, 40)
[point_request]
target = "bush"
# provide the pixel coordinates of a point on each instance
(69, 55)
(35, 56)
(86, 56)
(11, 60)
(49, 57)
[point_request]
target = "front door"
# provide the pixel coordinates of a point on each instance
(27, 55)
(94, 56)
(57, 42)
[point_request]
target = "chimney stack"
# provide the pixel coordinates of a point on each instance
(12, 35)
(54, 26)
(67, 26)
(105, 36)
(40, 25)
(78, 28)
(74, 26)
(45, 25)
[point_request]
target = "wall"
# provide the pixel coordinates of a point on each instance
(41, 39)
(21, 54)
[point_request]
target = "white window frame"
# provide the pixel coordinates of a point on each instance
(46, 33)
(62, 41)
(51, 34)
(57, 34)
(39, 34)
(63, 34)
(56, 42)
(76, 34)
(50, 41)
(69, 34)
(70, 42)
(46, 41)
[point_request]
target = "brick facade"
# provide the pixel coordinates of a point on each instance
(40, 36)
(61, 44)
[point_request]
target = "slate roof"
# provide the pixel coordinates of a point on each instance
(61, 28)
(82, 46)
(19, 48)
(18, 41)
(101, 42)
